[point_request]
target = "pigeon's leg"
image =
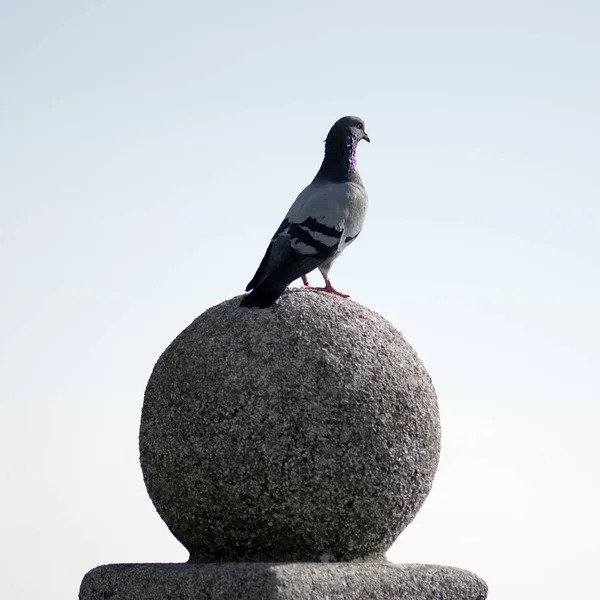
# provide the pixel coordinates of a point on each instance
(306, 285)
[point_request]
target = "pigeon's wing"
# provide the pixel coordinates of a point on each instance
(339, 207)
(309, 235)
(296, 249)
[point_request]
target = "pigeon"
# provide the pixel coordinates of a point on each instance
(326, 217)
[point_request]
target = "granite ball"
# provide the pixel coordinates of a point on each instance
(307, 431)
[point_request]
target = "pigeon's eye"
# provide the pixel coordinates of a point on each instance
(359, 126)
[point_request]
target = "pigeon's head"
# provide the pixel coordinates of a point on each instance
(348, 127)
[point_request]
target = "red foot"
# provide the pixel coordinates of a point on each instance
(328, 288)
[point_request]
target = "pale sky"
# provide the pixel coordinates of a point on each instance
(148, 151)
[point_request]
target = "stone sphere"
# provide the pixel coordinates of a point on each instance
(306, 431)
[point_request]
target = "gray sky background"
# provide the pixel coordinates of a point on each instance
(149, 150)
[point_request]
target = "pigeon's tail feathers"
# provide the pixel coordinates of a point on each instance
(280, 266)
(265, 261)
(261, 269)
(262, 297)
(271, 287)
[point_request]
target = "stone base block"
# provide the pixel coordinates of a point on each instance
(281, 581)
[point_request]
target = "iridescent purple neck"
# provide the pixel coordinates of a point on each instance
(351, 149)
(339, 163)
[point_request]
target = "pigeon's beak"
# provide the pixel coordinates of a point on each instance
(366, 137)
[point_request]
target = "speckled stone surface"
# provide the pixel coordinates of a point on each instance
(293, 581)
(308, 431)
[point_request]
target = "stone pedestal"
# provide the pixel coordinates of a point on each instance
(281, 581)
(280, 444)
